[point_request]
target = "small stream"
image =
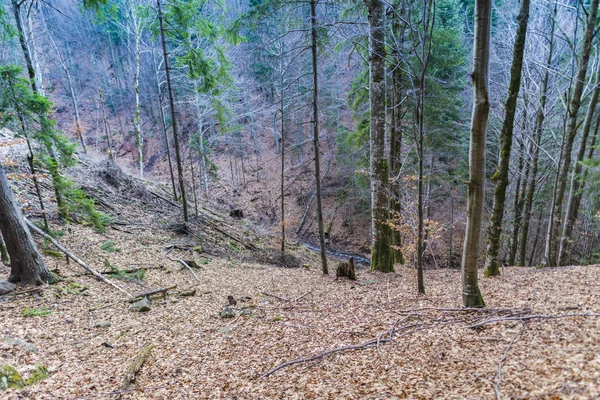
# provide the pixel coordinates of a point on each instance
(338, 255)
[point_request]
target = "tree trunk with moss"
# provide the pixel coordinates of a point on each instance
(476, 185)
(550, 258)
(26, 264)
(500, 177)
(382, 258)
(576, 181)
(395, 136)
(519, 200)
(53, 165)
(538, 130)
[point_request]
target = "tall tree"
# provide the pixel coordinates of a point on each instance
(476, 185)
(26, 264)
(570, 133)
(575, 188)
(395, 135)
(381, 251)
(315, 105)
(52, 163)
(537, 139)
(492, 265)
(173, 113)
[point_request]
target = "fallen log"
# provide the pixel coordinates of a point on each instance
(59, 246)
(134, 368)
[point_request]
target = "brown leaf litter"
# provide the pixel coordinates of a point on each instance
(405, 345)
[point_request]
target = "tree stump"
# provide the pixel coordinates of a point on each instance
(346, 269)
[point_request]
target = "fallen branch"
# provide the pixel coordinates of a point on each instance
(529, 317)
(499, 373)
(246, 244)
(302, 296)
(133, 270)
(165, 199)
(190, 268)
(134, 368)
(91, 270)
(275, 296)
(162, 291)
(376, 342)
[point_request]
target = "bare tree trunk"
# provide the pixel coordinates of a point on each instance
(396, 136)
(451, 231)
(254, 138)
(173, 113)
(282, 179)
(575, 189)
(78, 128)
(115, 63)
(381, 251)
(26, 264)
(16, 5)
(476, 186)
(519, 198)
(31, 162)
(164, 126)
(194, 184)
(136, 88)
(538, 130)
(315, 104)
(111, 155)
(537, 238)
(201, 146)
(427, 204)
(492, 266)
(571, 132)
(53, 165)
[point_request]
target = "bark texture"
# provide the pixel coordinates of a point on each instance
(572, 125)
(500, 177)
(26, 264)
(576, 184)
(396, 137)
(539, 127)
(313, 15)
(476, 185)
(381, 234)
(173, 113)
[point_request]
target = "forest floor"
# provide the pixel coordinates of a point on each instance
(532, 341)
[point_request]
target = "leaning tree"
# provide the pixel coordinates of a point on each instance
(26, 264)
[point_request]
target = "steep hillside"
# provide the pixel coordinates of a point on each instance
(234, 321)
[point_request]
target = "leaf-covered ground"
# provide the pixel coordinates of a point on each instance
(405, 346)
(197, 354)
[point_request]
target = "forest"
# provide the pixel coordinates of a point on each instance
(309, 199)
